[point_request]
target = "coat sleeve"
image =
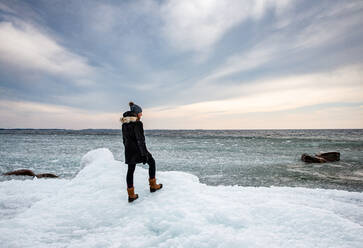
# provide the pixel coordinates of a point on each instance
(123, 134)
(140, 138)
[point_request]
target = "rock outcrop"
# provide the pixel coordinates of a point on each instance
(25, 172)
(46, 175)
(329, 156)
(321, 157)
(22, 172)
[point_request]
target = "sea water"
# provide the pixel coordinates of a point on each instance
(216, 157)
(221, 189)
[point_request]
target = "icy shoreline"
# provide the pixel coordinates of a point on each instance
(91, 210)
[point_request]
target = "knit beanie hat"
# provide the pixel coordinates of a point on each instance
(135, 108)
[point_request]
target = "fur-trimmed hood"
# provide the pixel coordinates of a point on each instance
(128, 119)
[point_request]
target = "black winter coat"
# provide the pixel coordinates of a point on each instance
(134, 142)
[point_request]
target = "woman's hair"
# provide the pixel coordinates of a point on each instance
(131, 103)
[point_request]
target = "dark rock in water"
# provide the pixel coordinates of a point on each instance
(329, 156)
(321, 157)
(312, 159)
(46, 175)
(25, 172)
(22, 172)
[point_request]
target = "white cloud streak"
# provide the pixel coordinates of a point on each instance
(24, 46)
(198, 25)
(328, 29)
(22, 114)
(250, 60)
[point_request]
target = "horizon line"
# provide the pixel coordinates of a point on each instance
(197, 129)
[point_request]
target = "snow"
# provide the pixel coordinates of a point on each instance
(91, 210)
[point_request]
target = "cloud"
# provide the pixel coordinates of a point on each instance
(270, 96)
(329, 29)
(21, 114)
(273, 103)
(256, 57)
(6, 9)
(282, 46)
(198, 25)
(24, 46)
(325, 118)
(252, 59)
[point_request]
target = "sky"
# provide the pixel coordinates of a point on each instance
(191, 64)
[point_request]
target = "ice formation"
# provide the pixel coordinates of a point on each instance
(91, 210)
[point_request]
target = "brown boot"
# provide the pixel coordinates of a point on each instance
(132, 195)
(153, 186)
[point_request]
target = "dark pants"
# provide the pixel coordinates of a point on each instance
(131, 170)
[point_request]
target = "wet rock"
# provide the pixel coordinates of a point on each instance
(25, 172)
(46, 175)
(321, 157)
(312, 159)
(22, 172)
(330, 156)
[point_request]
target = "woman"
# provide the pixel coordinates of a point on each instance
(135, 149)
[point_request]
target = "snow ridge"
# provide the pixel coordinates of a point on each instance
(91, 210)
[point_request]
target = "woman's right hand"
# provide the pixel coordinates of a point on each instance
(144, 159)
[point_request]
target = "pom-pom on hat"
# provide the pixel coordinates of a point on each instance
(135, 108)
